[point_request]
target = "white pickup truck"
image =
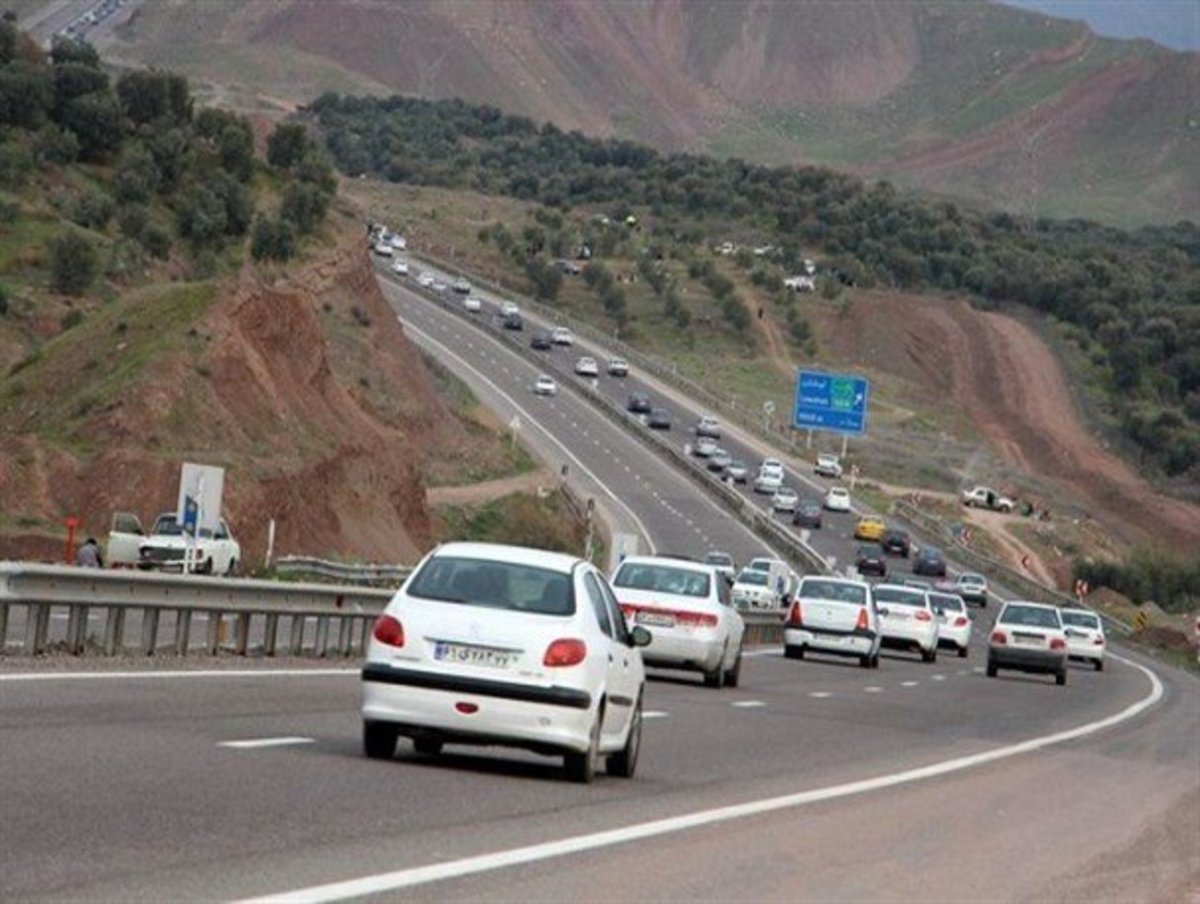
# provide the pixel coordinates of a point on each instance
(986, 497)
(165, 547)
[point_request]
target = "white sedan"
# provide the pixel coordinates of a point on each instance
(400, 267)
(426, 280)
(784, 500)
(954, 622)
(1085, 636)
(704, 447)
(544, 385)
(906, 619)
(768, 482)
(489, 644)
(587, 367)
(837, 499)
(472, 304)
(687, 606)
(384, 249)
(562, 336)
(618, 367)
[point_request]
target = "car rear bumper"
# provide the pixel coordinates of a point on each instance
(954, 637)
(840, 643)
(672, 649)
(1027, 660)
(546, 719)
(906, 638)
(1085, 651)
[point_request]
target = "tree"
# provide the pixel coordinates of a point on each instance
(53, 144)
(230, 137)
(73, 263)
(26, 94)
(287, 145)
(201, 217)
(136, 178)
(173, 154)
(74, 80)
(92, 210)
(239, 208)
(304, 206)
(149, 97)
(272, 240)
(96, 121)
(68, 50)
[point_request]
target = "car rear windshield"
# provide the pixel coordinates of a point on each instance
(1080, 619)
(834, 591)
(1033, 616)
(758, 578)
(900, 595)
(972, 579)
(663, 579)
(494, 585)
(718, 558)
(946, 601)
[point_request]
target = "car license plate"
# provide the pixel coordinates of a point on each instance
(1035, 640)
(657, 619)
(488, 657)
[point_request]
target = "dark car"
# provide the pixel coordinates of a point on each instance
(809, 513)
(639, 403)
(513, 321)
(542, 341)
(930, 561)
(660, 419)
(896, 543)
(870, 560)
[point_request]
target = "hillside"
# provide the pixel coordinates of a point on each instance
(984, 102)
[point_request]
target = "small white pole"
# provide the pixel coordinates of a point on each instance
(270, 542)
(845, 443)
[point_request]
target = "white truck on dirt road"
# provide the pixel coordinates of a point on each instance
(166, 546)
(986, 497)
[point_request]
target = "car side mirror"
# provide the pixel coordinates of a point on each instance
(639, 637)
(882, 610)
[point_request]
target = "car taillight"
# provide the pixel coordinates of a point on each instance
(796, 616)
(388, 630)
(1057, 643)
(565, 651)
(1098, 641)
(999, 637)
(629, 609)
(923, 615)
(960, 622)
(697, 619)
(861, 624)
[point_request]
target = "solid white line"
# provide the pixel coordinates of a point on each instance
(256, 743)
(748, 704)
(820, 695)
(179, 673)
(873, 689)
(550, 436)
(654, 714)
(937, 677)
(467, 866)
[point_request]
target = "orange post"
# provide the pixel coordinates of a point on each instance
(72, 523)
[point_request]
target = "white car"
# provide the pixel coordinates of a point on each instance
(973, 588)
(587, 367)
(687, 606)
(828, 466)
(1028, 637)
(618, 367)
(400, 267)
(440, 287)
(383, 249)
(768, 481)
(837, 499)
(167, 548)
(1085, 636)
(398, 242)
(508, 308)
(472, 304)
(704, 447)
(709, 426)
(426, 280)
(737, 470)
(784, 580)
(954, 622)
(752, 589)
(462, 286)
(723, 562)
(489, 644)
(544, 385)
(833, 615)
(906, 619)
(773, 465)
(784, 500)
(562, 336)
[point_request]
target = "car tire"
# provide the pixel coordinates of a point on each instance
(864, 661)
(1061, 678)
(581, 767)
(793, 652)
(962, 652)
(379, 740)
(733, 676)
(875, 661)
(623, 763)
(929, 655)
(427, 746)
(991, 669)
(232, 569)
(1099, 665)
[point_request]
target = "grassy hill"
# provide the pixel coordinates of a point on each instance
(975, 100)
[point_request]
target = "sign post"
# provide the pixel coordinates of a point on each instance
(198, 508)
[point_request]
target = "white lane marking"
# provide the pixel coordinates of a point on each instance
(654, 714)
(873, 689)
(550, 436)
(748, 704)
(255, 743)
(183, 673)
(909, 683)
(937, 677)
(454, 869)
(978, 670)
(820, 695)
(770, 652)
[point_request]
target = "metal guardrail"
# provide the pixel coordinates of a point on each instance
(41, 589)
(392, 575)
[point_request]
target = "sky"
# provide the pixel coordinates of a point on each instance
(1172, 23)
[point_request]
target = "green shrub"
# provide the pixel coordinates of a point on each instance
(73, 263)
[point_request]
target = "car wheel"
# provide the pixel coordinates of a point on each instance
(875, 661)
(734, 675)
(962, 652)
(864, 661)
(793, 652)
(232, 569)
(1061, 678)
(206, 567)
(1099, 665)
(427, 746)
(623, 763)
(379, 740)
(929, 655)
(991, 669)
(581, 767)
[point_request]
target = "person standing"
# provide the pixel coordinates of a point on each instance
(88, 555)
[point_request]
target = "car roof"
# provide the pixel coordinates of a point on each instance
(518, 555)
(821, 577)
(673, 561)
(1031, 603)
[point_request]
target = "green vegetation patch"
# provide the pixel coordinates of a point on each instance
(519, 519)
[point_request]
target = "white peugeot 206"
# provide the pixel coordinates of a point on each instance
(502, 645)
(833, 615)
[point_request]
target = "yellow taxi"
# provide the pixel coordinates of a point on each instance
(869, 527)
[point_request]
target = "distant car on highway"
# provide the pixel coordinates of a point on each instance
(587, 367)
(1028, 637)
(704, 447)
(659, 419)
(869, 527)
(544, 385)
(440, 287)
(907, 620)
(425, 280)
(638, 403)
(508, 307)
(489, 644)
(930, 561)
(166, 547)
(828, 466)
(784, 500)
(719, 461)
(687, 606)
(954, 622)
(563, 336)
(472, 304)
(400, 267)
(462, 286)
(383, 249)
(541, 341)
(618, 367)
(870, 561)
(512, 322)
(709, 426)
(809, 513)
(833, 615)
(753, 590)
(973, 588)
(723, 562)
(896, 542)
(737, 470)
(837, 499)
(1085, 636)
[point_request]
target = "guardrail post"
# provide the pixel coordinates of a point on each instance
(3, 626)
(241, 633)
(149, 631)
(114, 631)
(344, 635)
(322, 641)
(77, 629)
(296, 645)
(365, 634)
(183, 628)
(37, 626)
(270, 631)
(213, 639)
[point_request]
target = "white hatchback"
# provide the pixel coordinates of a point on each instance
(489, 644)
(1085, 636)
(687, 606)
(785, 500)
(837, 499)
(768, 481)
(544, 385)
(833, 615)
(587, 367)
(400, 267)
(472, 304)
(954, 622)
(562, 336)
(906, 619)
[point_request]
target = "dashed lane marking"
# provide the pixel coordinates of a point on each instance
(873, 689)
(747, 704)
(937, 677)
(654, 714)
(820, 695)
(256, 743)
(909, 683)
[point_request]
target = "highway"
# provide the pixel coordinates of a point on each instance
(813, 780)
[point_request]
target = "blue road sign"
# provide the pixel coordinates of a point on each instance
(836, 402)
